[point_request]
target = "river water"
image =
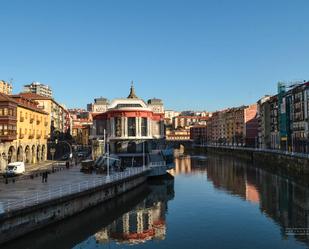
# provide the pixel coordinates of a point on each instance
(205, 202)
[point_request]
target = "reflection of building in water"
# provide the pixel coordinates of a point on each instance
(228, 177)
(182, 165)
(187, 164)
(286, 202)
(145, 222)
(252, 193)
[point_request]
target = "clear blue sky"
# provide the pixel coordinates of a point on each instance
(192, 54)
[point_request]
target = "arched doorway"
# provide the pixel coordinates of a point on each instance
(28, 154)
(33, 153)
(43, 155)
(38, 153)
(11, 155)
(20, 154)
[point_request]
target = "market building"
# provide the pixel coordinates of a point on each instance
(130, 125)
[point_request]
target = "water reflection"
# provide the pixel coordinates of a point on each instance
(146, 221)
(134, 217)
(219, 203)
(284, 200)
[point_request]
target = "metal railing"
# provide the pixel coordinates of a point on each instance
(274, 151)
(66, 190)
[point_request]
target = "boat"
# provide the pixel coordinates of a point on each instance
(160, 161)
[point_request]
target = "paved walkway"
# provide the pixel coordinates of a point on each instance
(38, 166)
(31, 191)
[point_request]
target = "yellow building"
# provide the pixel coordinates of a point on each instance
(24, 130)
(59, 116)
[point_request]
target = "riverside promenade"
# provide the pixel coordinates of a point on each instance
(29, 192)
(30, 204)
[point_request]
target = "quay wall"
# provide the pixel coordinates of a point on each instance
(19, 222)
(285, 163)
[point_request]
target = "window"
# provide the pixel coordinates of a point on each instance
(118, 127)
(128, 105)
(144, 127)
(131, 127)
(5, 111)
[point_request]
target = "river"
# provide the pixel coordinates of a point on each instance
(205, 202)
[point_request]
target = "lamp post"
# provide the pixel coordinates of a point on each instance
(143, 154)
(106, 143)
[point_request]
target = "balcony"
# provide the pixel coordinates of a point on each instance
(46, 123)
(46, 137)
(38, 136)
(31, 120)
(8, 137)
(31, 136)
(21, 136)
(22, 119)
(38, 122)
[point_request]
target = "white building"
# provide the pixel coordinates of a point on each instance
(39, 88)
(128, 123)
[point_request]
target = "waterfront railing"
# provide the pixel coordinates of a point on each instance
(274, 151)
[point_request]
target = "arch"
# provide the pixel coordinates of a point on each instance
(38, 153)
(33, 153)
(11, 154)
(28, 154)
(131, 147)
(43, 155)
(3, 161)
(20, 154)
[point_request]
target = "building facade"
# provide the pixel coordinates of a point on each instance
(39, 88)
(169, 115)
(59, 117)
(198, 134)
(236, 126)
(82, 123)
(263, 116)
(5, 87)
(129, 124)
(100, 105)
(24, 130)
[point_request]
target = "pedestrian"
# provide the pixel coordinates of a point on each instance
(46, 176)
(43, 176)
